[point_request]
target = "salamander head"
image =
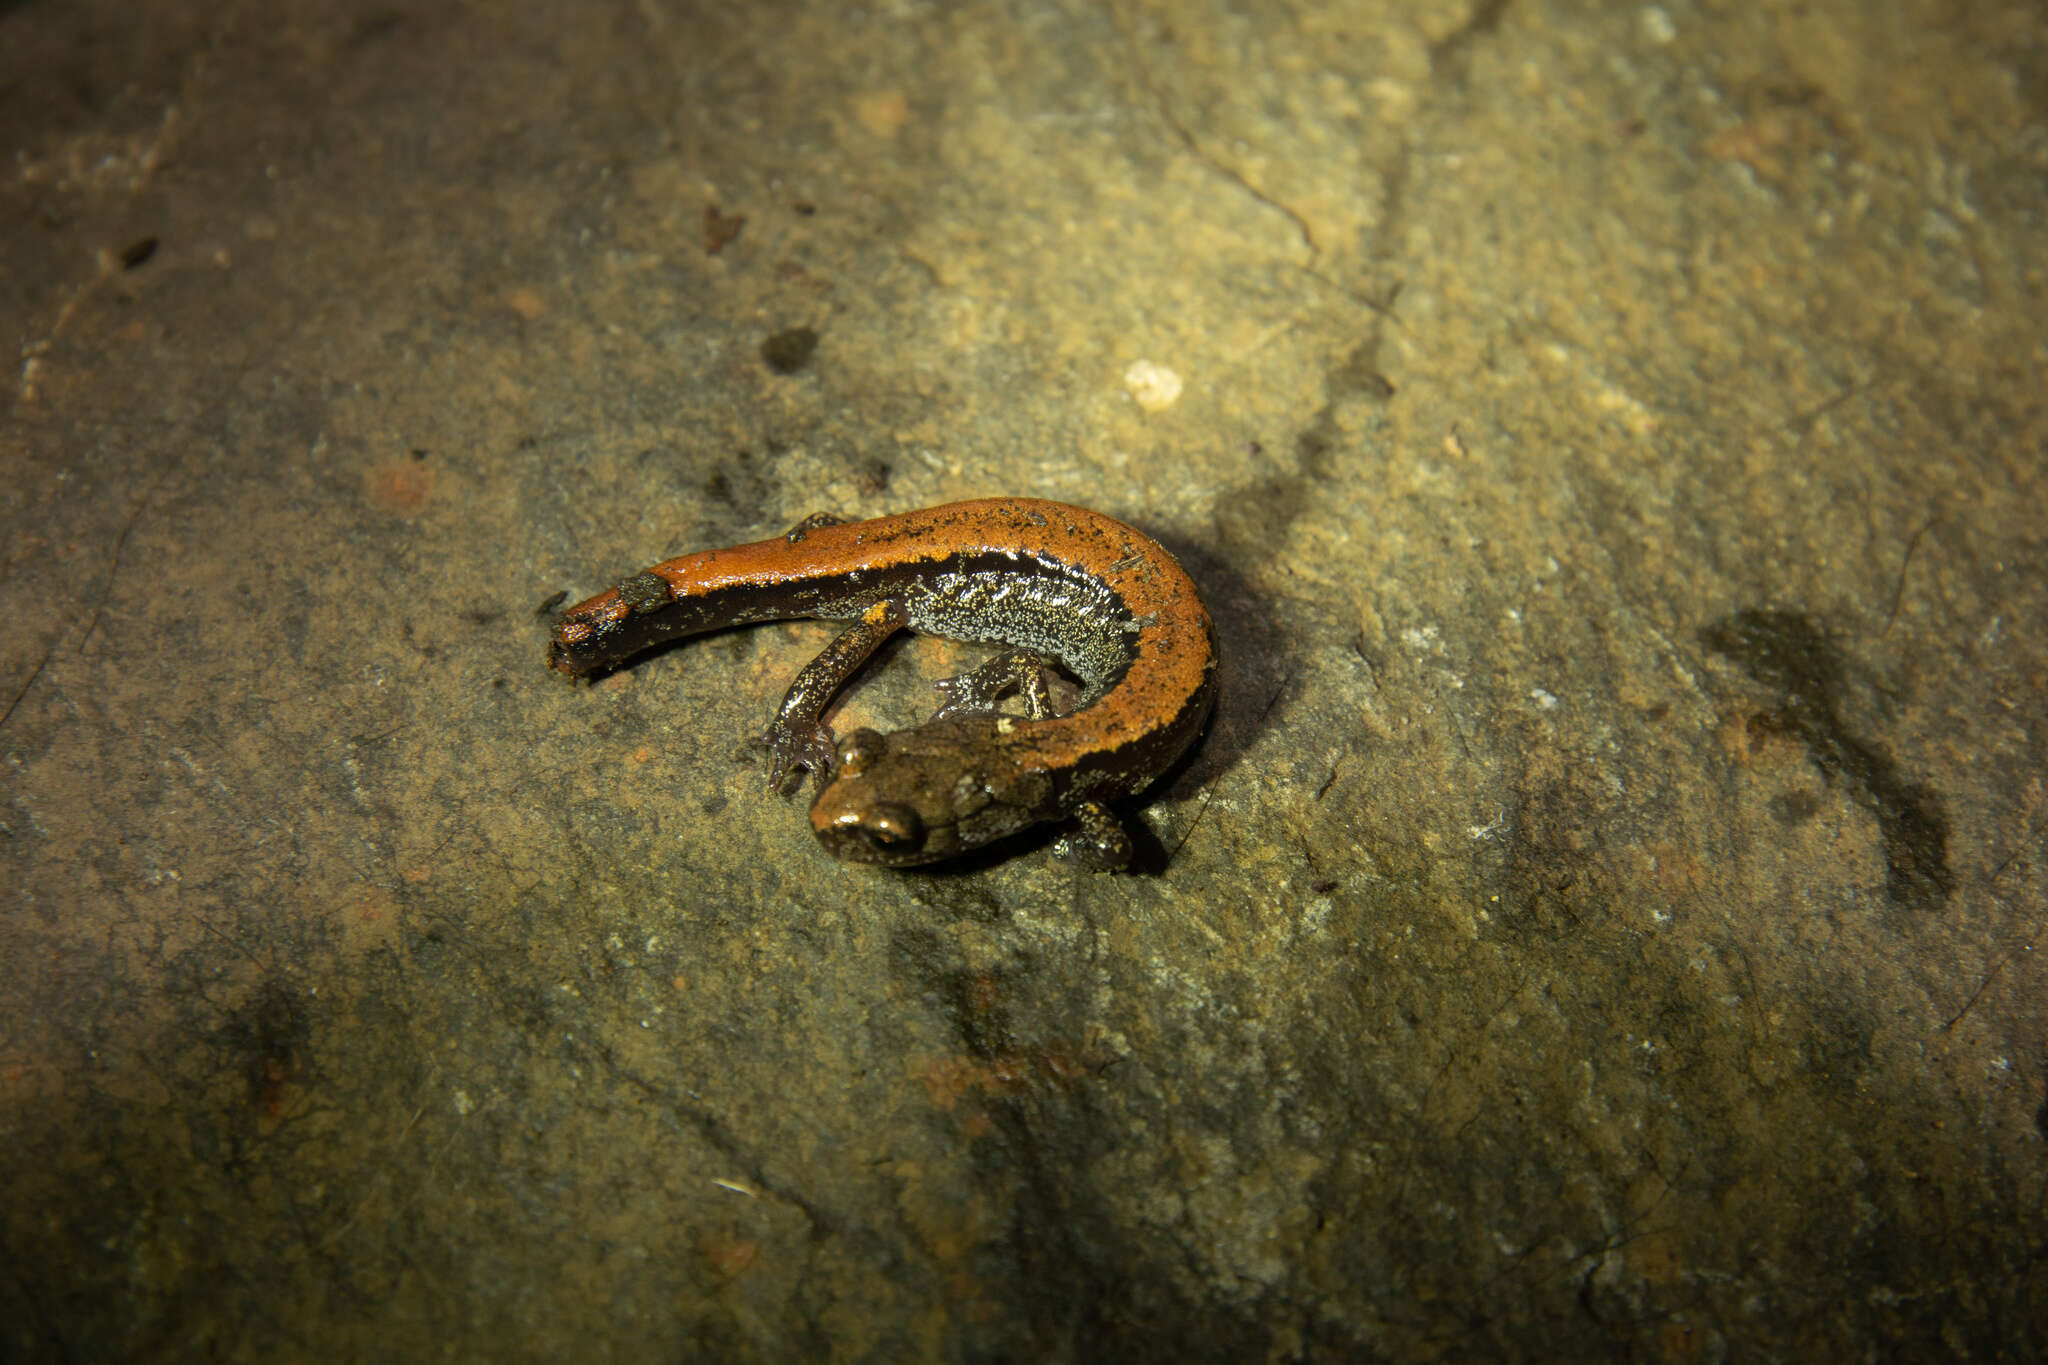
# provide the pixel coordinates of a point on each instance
(919, 795)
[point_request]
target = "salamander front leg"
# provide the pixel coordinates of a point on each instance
(798, 737)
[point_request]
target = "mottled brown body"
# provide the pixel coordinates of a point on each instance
(1046, 578)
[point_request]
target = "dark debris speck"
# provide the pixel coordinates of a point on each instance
(720, 228)
(645, 592)
(789, 351)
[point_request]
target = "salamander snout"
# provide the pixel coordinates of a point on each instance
(888, 830)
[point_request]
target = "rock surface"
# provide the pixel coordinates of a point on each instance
(1600, 922)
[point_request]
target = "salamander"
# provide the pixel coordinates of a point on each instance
(1051, 582)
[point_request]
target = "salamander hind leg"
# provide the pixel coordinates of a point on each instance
(1098, 843)
(815, 521)
(1021, 671)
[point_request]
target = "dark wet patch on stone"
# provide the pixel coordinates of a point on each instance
(1793, 808)
(1786, 651)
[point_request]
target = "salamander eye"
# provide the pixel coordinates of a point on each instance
(888, 827)
(858, 749)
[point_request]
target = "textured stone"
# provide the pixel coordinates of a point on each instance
(1600, 921)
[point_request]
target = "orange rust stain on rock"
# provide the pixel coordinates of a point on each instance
(728, 1256)
(946, 1079)
(984, 992)
(402, 488)
(883, 113)
(1678, 1341)
(1656, 1257)
(1010, 1071)
(369, 919)
(950, 1079)
(1674, 870)
(277, 1094)
(1751, 738)
(1065, 1067)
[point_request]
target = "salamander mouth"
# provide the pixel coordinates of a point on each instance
(887, 832)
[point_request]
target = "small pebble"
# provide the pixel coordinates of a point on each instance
(1154, 386)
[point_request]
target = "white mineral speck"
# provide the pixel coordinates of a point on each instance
(1154, 386)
